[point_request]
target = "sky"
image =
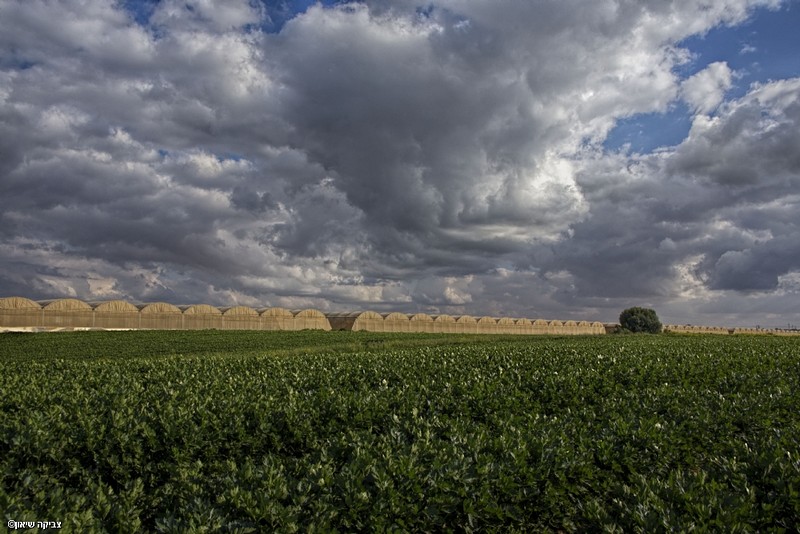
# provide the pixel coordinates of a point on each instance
(542, 159)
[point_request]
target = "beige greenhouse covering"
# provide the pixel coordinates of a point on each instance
(160, 316)
(541, 326)
(66, 313)
(240, 318)
(420, 322)
(506, 325)
(396, 322)
(71, 313)
(19, 312)
(18, 303)
(116, 314)
(466, 324)
(524, 326)
(200, 309)
(355, 321)
(65, 305)
(738, 330)
(239, 311)
(555, 327)
(277, 319)
(158, 307)
(201, 317)
(114, 306)
(444, 324)
(341, 320)
(310, 319)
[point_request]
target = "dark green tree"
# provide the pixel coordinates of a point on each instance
(640, 320)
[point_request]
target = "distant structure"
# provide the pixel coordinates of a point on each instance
(695, 329)
(19, 313)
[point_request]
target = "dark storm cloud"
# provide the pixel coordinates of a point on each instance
(379, 155)
(656, 220)
(755, 146)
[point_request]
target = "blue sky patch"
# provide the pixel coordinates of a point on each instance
(278, 11)
(763, 48)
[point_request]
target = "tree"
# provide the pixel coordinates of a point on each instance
(640, 320)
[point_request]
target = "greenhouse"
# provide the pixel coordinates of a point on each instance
(310, 319)
(420, 322)
(524, 326)
(19, 311)
(355, 321)
(160, 316)
(240, 318)
(66, 313)
(114, 314)
(201, 317)
(506, 325)
(487, 325)
(555, 327)
(276, 319)
(444, 324)
(396, 322)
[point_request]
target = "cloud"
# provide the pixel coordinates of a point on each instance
(716, 214)
(753, 141)
(705, 90)
(204, 15)
(446, 159)
(747, 49)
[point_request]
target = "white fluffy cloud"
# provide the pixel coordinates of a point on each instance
(379, 155)
(705, 90)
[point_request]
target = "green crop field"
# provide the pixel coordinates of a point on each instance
(340, 431)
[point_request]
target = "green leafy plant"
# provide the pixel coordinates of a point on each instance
(162, 431)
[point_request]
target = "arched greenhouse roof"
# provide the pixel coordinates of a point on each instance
(18, 303)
